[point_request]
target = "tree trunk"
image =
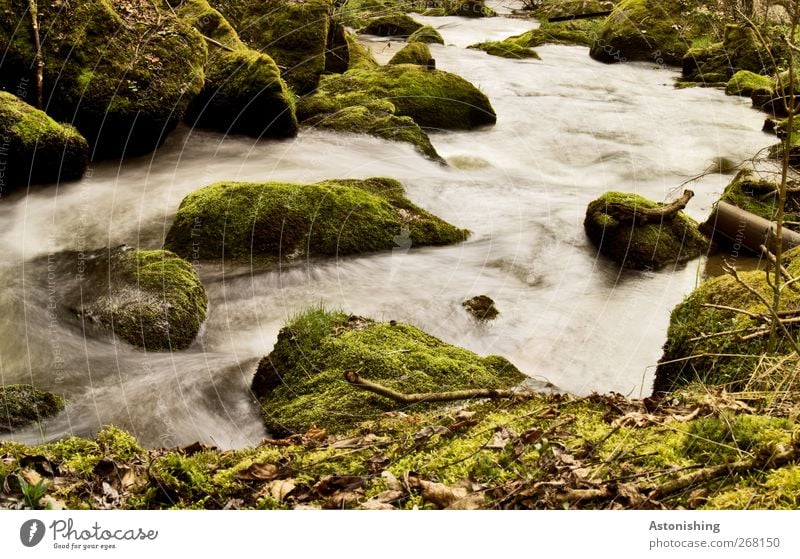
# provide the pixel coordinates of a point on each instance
(39, 59)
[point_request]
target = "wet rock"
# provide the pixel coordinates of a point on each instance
(22, 404)
(412, 53)
(427, 35)
(392, 25)
(746, 84)
(481, 308)
(739, 50)
(36, 148)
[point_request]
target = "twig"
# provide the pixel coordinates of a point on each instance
(734, 309)
(39, 58)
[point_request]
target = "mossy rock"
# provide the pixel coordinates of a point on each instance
(294, 34)
(123, 78)
(642, 245)
(577, 32)
(412, 53)
(149, 298)
(433, 98)
(301, 383)
(546, 9)
(392, 25)
(38, 149)
(658, 31)
(377, 119)
(506, 49)
(693, 352)
(759, 196)
(22, 404)
(243, 91)
(235, 220)
(426, 34)
(746, 83)
(739, 50)
(358, 56)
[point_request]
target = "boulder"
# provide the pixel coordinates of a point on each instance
(301, 384)
(22, 404)
(641, 244)
(235, 220)
(35, 148)
(739, 50)
(412, 53)
(481, 308)
(746, 84)
(392, 25)
(123, 77)
(426, 34)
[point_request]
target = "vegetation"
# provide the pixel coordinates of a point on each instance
(392, 25)
(426, 34)
(22, 404)
(413, 53)
(746, 83)
(575, 32)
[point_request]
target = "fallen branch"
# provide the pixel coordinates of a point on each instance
(218, 44)
(39, 58)
(628, 212)
(491, 393)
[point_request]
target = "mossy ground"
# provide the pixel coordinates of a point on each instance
(433, 98)
(22, 404)
(281, 220)
(527, 454)
(301, 383)
(37, 148)
(638, 245)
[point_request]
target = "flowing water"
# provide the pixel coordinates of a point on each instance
(568, 130)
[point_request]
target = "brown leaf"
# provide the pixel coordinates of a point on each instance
(631, 493)
(31, 476)
(473, 501)
(376, 505)
(329, 485)
(438, 493)
(391, 481)
(316, 434)
(258, 472)
(501, 438)
(343, 499)
(430, 431)
(280, 489)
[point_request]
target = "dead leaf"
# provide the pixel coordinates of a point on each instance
(391, 481)
(343, 499)
(501, 438)
(473, 501)
(258, 472)
(280, 489)
(31, 476)
(376, 505)
(51, 503)
(316, 434)
(430, 431)
(439, 494)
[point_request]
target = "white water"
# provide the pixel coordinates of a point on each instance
(568, 130)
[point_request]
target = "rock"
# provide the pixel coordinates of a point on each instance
(506, 49)
(751, 192)
(412, 53)
(300, 383)
(576, 32)
(433, 98)
(746, 83)
(243, 91)
(739, 50)
(123, 78)
(149, 298)
(392, 25)
(280, 220)
(294, 34)
(481, 308)
(22, 404)
(645, 245)
(426, 34)
(658, 31)
(692, 351)
(37, 149)
(359, 57)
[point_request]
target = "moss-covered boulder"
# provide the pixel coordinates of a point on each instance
(236, 220)
(739, 50)
(759, 196)
(433, 98)
(392, 25)
(22, 404)
(426, 34)
(640, 244)
(301, 383)
(576, 32)
(243, 91)
(377, 119)
(294, 34)
(358, 56)
(149, 298)
(38, 149)
(658, 31)
(412, 53)
(721, 346)
(746, 83)
(506, 49)
(124, 77)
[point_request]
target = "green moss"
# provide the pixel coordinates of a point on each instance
(658, 31)
(642, 245)
(118, 444)
(149, 298)
(359, 57)
(739, 50)
(412, 53)
(746, 83)
(577, 32)
(37, 148)
(294, 34)
(431, 97)
(730, 437)
(392, 25)
(243, 91)
(22, 404)
(301, 382)
(245, 220)
(759, 196)
(506, 49)
(124, 79)
(426, 34)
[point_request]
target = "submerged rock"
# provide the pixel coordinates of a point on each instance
(640, 244)
(481, 308)
(124, 78)
(235, 220)
(392, 25)
(426, 34)
(433, 98)
(301, 383)
(412, 53)
(22, 404)
(37, 149)
(243, 91)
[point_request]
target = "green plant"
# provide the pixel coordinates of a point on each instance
(32, 492)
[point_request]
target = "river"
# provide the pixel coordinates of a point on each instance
(568, 129)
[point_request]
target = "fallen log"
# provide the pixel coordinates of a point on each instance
(739, 229)
(629, 213)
